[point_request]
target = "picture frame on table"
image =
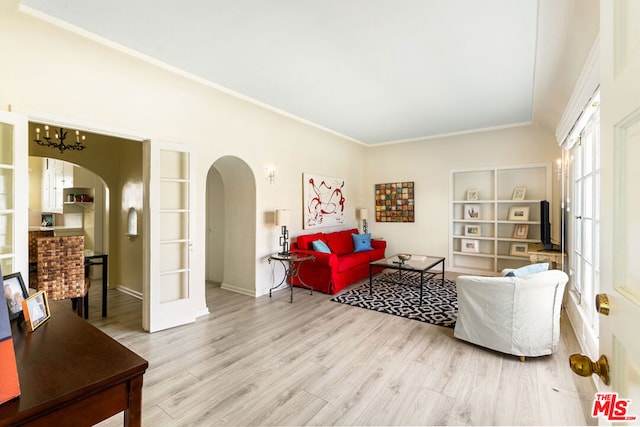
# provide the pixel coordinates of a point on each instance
(472, 230)
(472, 212)
(521, 231)
(14, 293)
(519, 213)
(472, 194)
(470, 246)
(519, 193)
(520, 249)
(36, 310)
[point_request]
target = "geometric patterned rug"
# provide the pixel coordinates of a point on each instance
(439, 303)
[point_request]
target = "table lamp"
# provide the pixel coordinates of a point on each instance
(364, 215)
(283, 217)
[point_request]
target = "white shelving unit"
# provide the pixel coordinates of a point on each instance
(491, 251)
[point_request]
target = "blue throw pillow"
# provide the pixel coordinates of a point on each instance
(362, 242)
(528, 269)
(320, 246)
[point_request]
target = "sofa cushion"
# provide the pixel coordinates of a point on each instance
(348, 261)
(528, 269)
(340, 242)
(305, 241)
(320, 246)
(361, 242)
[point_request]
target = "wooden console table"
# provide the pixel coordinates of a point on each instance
(72, 374)
(554, 258)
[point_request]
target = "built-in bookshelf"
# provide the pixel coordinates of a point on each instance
(495, 216)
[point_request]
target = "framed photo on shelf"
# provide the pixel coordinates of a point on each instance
(14, 293)
(472, 194)
(472, 212)
(519, 193)
(472, 230)
(520, 249)
(469, 245)
(36, 310)
(519, 213)
(521, 231)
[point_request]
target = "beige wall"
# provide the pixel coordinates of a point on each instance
(428, 163)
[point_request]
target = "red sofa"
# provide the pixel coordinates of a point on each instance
(332, 272)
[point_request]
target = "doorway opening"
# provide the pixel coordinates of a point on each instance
(231, 226)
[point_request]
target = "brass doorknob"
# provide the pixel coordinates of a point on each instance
(602, 304)
(583, 366)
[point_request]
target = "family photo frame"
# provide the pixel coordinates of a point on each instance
(520, 249)
(36, 310)
(14, 293)
(472, 212)
(469, 245)
(519, 193)
(472, 230)
(519, 213)
(521, 231)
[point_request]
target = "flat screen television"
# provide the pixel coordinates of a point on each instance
(545, 228)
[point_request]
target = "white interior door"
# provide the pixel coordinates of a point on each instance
(14, 194)
(620, 249)
(168, 298)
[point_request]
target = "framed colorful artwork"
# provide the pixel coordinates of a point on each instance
(395, 202)
(324, 201)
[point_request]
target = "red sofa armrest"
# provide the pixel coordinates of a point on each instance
(378, 244)
(322, 258)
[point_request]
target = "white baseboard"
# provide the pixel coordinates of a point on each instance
(238, 290)
(130, 291)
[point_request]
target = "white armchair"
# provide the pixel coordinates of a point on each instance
(513, 315)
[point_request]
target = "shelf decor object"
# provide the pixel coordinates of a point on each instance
(520, 231)
(468, 245)
(520, 249)
(519, 213)
(519, 193)
(472, 230)
(472, 212)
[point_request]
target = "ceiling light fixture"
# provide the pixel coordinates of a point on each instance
(58, 141)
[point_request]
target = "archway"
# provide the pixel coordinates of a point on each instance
(231, 225)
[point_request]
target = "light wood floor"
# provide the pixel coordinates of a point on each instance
(315, 362)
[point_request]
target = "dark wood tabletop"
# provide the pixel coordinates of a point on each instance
(71, 373)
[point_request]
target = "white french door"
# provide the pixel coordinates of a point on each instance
(14, 194)
(168, 300)
(585, 227)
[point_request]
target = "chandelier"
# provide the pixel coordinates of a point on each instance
(58, 140)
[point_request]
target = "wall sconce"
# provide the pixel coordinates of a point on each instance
(283, 217)
(271, 174)
(132, 223)
(364, 216)
(559, 168)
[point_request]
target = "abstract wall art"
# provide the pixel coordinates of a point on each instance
(324, 201)
(395, 202)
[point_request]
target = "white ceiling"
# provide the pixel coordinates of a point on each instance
(372, 70)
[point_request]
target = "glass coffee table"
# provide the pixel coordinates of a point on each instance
(422, 264)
